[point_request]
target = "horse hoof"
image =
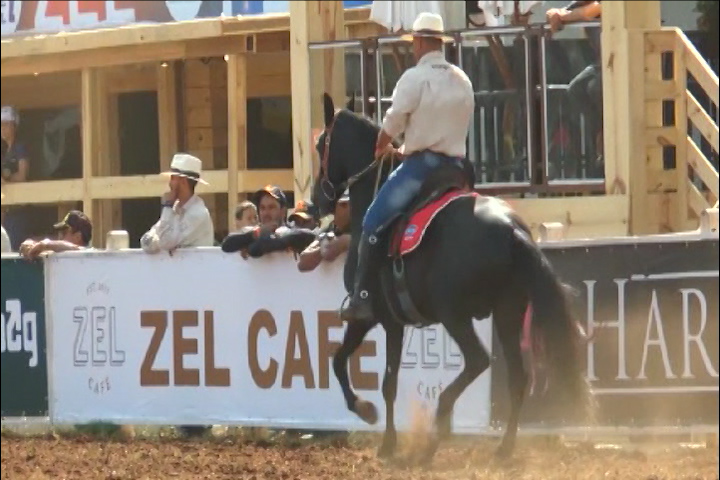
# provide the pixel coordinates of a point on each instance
(386, 452)
(425, 461)
(366, 411)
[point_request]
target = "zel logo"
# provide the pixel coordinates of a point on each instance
(96, 337)
(19, 331)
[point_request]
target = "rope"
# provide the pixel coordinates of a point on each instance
(381, 160)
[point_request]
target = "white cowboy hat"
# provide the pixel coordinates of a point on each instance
(428, 25)
(185, 165)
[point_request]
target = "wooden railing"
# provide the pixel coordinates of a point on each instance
(674, 114)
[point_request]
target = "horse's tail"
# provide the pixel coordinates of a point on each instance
(562, 336)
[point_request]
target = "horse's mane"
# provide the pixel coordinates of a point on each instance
(347, 113)
(354, 133)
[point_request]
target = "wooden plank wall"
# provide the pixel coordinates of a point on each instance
(205, 106)
(205, 114)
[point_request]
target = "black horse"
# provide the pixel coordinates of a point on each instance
(477, 258)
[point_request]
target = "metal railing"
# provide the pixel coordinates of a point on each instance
(522, 140)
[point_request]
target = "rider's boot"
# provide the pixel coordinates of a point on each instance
(360, 305)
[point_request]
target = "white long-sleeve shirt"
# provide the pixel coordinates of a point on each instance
(432, 105)
(184, 226)
(6, 248)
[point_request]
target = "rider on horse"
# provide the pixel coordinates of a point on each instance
(432, 105)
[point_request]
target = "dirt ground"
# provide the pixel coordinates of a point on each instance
(53, 457)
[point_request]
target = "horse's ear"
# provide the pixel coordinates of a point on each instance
(329, 109)
(351, 103)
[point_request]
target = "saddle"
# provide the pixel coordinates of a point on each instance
(449, 181)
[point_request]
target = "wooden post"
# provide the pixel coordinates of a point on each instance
(623, 63)
(167, 113)
(237, 128)
(206, 121)
(101, 151)
(114, 207)
(91, 139)
(552, 232)
(709, 221)
(313, 21)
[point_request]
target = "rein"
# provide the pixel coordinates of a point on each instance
(324, 162)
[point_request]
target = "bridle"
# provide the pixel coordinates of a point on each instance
(325, 160)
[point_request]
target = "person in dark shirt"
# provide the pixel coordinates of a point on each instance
(331, 240)
(585, 90)
(15, 164)
(15, 168)
(272, 207)
(74, 233)
(304, 216)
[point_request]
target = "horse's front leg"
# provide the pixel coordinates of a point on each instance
(354, 336)
(393, 340)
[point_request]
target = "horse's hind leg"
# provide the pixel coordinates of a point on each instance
(508, 318)
(476, 362)
(354, 336)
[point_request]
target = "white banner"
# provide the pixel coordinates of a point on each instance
(207, 337)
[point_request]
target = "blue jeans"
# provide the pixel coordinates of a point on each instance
(401, 188)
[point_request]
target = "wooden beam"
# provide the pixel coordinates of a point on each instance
(167, 99)
(702, 121)
(279, 22)
(623, 62)
(680, 215)
(270, 75)
(237, 84)
(696, 202)
(107, 214)
(144, 35)
(113, 209)
(42, 91)
(609, 214)
(702, 167)
(263, 86)
(240, 25)
(91, 133)
(130, 78)
(312, 21)
(137, 35)
(136, 186)
(47, 192)
(213, 47)
(122, 55)
(143, 186)
(108, 57)
(272, 42)
(698, 67)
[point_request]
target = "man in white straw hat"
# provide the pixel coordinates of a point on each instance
(185, 220)
(432, 105)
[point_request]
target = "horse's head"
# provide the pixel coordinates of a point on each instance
(346, 150)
